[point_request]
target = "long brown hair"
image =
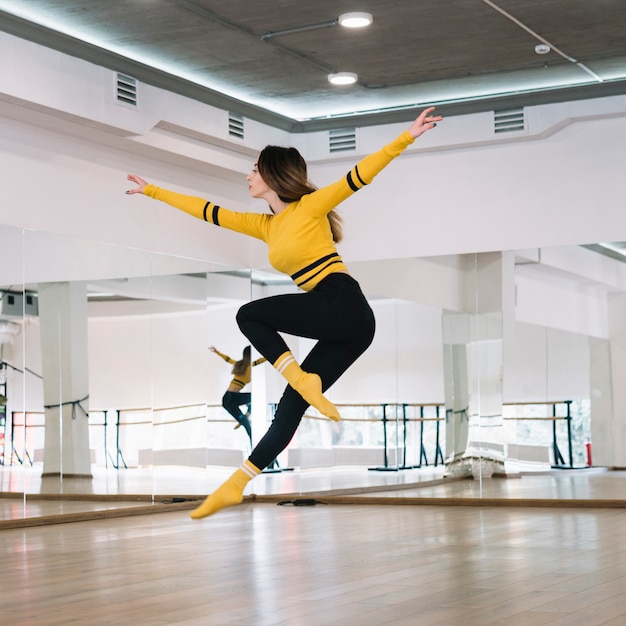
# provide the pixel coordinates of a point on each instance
(240, 367)
(284, 171)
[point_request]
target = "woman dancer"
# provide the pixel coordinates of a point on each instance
(301, 234)
(234, 397)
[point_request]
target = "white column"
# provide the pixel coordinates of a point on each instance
(603, 422)
(63, 323)
(473, 361)
(608, 425)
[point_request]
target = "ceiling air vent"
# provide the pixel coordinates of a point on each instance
(235, 125)
(126, 90)
(508, 121)
(342, 140)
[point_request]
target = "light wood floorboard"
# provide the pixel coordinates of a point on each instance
(361, 565)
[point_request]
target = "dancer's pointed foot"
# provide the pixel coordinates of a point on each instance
(309, 386)
(224, 496)
(228, 494)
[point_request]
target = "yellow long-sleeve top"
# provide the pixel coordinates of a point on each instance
(299, 238)
(242, 380)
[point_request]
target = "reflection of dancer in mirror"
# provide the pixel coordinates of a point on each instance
(234, 397)
(301, 234)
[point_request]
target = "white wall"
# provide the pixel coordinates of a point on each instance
(404, 362)
(545, 364)
(65, 159)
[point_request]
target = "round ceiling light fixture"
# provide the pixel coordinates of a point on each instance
(542, 48)
(355, 20)
(342, 78)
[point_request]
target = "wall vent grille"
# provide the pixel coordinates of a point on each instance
(126, 90)
(342, 140)
(512, 120)
(18, 304)
(235, 125)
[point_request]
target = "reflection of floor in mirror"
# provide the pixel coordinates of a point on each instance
(111, 489)
(18, 508)
(108, 487)
(177, 480)
(578, 484)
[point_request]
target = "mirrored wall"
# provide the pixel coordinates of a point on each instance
(109, 383)
(107, 378)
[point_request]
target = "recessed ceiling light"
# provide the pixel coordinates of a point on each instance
(343, 78)
(355, 20)
(542, 48)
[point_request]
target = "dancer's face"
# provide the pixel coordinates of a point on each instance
(257, 187)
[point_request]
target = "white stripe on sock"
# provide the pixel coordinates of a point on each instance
(288, 360)
(248, 470)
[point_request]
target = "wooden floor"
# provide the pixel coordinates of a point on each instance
(268, 565)
(533, 550)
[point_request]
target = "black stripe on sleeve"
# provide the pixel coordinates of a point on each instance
(356, 171)
(351, 182)
(216, 221)
(206, 206)
(355, 182)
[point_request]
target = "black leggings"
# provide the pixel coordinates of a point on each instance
(335, 313)
(231, 401)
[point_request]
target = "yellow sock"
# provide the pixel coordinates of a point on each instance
(229, 493)
(308, 385)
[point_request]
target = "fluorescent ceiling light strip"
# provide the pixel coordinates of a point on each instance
(523, 26)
